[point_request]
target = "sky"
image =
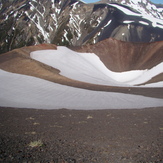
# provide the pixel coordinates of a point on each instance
(154, 1)
(157, 1)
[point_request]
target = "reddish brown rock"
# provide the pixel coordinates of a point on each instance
(123, 56)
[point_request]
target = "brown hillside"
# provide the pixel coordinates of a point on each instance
(19, 61)
(123, 56)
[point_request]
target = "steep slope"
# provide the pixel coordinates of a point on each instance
(143, 6)
(87, 67)
(73, 23)
(124, 56)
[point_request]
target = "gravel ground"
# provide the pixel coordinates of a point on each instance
(74, 136)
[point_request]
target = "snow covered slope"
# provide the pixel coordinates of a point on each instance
(30, 92)
(146, 18)
(145, 7)
(87, 67)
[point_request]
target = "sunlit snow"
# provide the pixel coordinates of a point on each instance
(155, 22)
(143, 23)
(30, 92)
(38, 25)
(87, 67)
(108, 23)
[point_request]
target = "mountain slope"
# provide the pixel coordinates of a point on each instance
(143, 6)
(42, 94)
(73, 23)
(87, 67)
(68, 67)
(44, 79)
(124, 56)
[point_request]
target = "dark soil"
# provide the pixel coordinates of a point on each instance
(71, 136)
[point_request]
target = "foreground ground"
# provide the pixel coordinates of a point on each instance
(69, 136)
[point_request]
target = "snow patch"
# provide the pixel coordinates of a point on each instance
(142, 22)
(108, 23)
(128, 21)
(128, 26)
(74, 5)
(125, 10)
(65, 35)
(149, 74)
(75, 23)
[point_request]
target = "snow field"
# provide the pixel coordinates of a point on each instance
(24, 91)
(87, 67)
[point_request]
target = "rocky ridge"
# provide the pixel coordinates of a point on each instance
(74, 23)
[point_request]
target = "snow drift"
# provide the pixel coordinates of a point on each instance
(30, 92)
(87, 67)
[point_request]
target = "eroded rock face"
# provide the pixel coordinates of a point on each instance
(73, 23)
(123, 56)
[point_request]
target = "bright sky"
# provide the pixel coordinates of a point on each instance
(90, 1)
(154, 1)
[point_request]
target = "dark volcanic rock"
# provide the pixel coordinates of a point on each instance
(67, 136)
